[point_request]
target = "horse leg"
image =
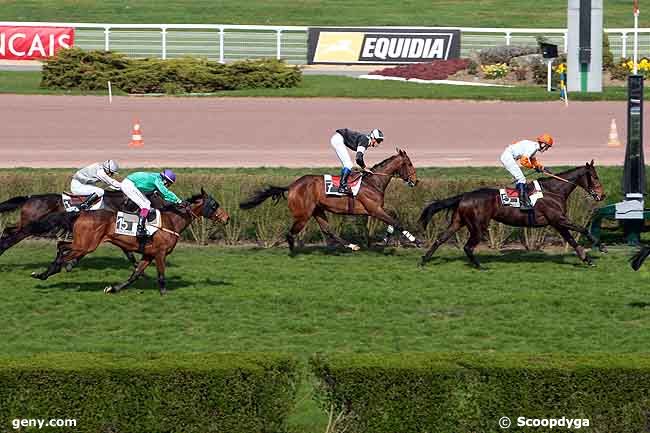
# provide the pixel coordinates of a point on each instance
(131, 258)
(160, 265)
(63, 255)
(456, 224)
(569, 225)
(11, 240)
(321, 219)
(564, 232)
(472, 242)
(296, 228)
(379, 213)
(137, 273)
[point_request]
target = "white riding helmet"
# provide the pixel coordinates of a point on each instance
(377, 135)
(110, 166)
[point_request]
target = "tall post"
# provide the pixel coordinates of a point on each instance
(585, 45)
(636, 36)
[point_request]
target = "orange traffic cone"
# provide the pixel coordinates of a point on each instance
(613, 135)
(136, 135)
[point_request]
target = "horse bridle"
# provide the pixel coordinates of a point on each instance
(408, 181)
(590, 188)
(209, 207)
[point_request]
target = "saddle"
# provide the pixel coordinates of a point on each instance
(332, 184)
(126, 223)
(510, 196)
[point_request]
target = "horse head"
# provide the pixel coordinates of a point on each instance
(406, 169)
(209, 208)
(591, 183)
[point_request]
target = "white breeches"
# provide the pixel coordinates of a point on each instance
(511, 165)
(132, 192)
(341, 151)
(78, 188)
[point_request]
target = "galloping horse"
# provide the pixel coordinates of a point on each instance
(307, 198)
(92, 228)
(36, 208)
(475, 210)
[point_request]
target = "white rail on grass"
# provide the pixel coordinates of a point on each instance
(226, 42)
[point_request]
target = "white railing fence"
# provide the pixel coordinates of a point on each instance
(226, 43)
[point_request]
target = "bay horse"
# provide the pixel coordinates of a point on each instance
(307, 198)
(37, 207)
(90, 229)
(475, 210)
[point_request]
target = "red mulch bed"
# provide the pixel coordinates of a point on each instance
(436, 70)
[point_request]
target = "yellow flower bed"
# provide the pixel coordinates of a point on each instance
(498, 70)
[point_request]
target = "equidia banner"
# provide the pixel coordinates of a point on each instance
(377, 46)
(28, 43)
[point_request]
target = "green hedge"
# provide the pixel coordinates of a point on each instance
(268, 223)
(91, 70)
(151, 393)
(471, 392)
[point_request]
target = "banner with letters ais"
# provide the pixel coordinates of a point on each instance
(30, 43)
(381, 45)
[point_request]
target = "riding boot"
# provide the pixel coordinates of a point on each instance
(524, 200)
(88, 202)
(141, 234)
(344, 188)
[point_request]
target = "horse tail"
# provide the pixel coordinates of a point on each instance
(637, 260)
(276, 192)
(13, 203)
(436, 206)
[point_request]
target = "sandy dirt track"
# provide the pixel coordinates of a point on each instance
(70, 131)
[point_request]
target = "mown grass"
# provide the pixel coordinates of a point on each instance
(485, 13)
(244, 299)
(28, 82)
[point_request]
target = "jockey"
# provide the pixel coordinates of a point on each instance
(524, 151)
(358, 142)
(84, 181)
(136, 185)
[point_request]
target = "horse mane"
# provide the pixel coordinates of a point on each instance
(384, 162)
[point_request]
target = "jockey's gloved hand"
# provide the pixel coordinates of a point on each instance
(546, 170)
(539, 169)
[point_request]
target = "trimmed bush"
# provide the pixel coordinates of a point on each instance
(75, 68)
(151, 393)
(503, 54)
(443, 393)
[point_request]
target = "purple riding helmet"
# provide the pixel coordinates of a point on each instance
(168, 175)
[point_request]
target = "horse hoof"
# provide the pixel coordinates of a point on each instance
(602, 249)
(108, 290)
(68, 267)
(353, 247)
(163, 292)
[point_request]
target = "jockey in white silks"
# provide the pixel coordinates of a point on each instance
(523, 152)
(84, 181)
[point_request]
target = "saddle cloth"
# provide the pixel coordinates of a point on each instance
(510, 196)
(71, 201)
(332, 185)
(127, 223)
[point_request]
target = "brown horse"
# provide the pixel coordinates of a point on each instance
(92, 228)
(307, 198)
(35, 208)
(475, 210)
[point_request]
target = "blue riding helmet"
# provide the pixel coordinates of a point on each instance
(168, 175)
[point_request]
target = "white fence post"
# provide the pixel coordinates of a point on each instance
(163, 33)
(278, 38)
(508, 38)
(565, 42)
(624, 45)
(221, 56)
(107, 44)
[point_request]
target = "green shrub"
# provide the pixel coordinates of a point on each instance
(90, 70)
(151, 393)
(399, 393)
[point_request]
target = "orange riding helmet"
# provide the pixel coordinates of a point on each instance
(546, 139)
